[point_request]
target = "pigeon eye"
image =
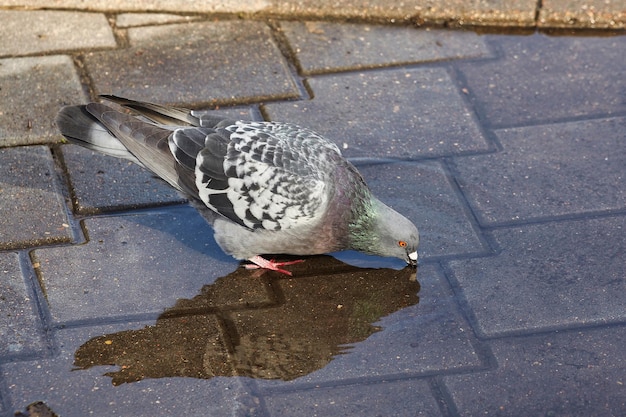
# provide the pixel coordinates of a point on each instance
(402, 244)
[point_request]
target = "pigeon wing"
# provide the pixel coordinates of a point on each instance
(261, 175)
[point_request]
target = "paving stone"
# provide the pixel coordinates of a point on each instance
(133, 264)
(558, 374)
(563, 77)
(72, 392)
(609, 14)
(28, 32)
(33, 90)
(125, 20)
(397, 398)
(103, 183)
(202, 63)
(424, 338)
(422, 192)
(550, 170)
(32, 206)
(325, 46)
(549, 275)
(424, 114)
(21, 331)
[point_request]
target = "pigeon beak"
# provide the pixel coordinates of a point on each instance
(412, 258)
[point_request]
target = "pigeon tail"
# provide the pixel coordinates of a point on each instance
(82, 128)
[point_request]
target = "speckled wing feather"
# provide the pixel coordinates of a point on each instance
(258, 174)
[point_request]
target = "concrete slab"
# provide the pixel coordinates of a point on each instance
(32, 206)
(21, 330)
(404, 113)
(125, 20)
(454, 12)
(102, 183)
(330, 47)
(578, 373)
(33, 90)
(195, 64)
(563, 78)
(547, 171)
(133, 264)
(422, 192)
(606, 14)
(72, 392)
(548, 276)
(29, 32)
(399, 398)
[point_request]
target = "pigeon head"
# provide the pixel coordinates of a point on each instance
(388, 234)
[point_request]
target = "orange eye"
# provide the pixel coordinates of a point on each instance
(402, 244)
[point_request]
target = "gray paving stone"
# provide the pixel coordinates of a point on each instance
(424, 338)
(422, 192)
(133, 264)
(325, 46)
(550, 275)
(197, 63)
(29, 32)
(32, 206)
(550, 170)
(608, 14)
(563, 77)
(72, 392)
(33, 90)
(103, 183)
(21, 331)
(568, 374)
(397, 398)
(424, 114)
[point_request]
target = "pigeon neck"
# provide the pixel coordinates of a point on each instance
(363, 229)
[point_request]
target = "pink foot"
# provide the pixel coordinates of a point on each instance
(261, 262)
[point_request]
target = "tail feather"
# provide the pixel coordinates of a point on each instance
(82, 128)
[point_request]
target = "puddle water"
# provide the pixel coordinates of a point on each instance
(258, 324)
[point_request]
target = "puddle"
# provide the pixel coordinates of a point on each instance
(258, 324)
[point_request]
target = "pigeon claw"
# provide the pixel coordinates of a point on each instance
(261, 262)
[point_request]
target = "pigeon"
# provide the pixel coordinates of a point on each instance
(265, 187)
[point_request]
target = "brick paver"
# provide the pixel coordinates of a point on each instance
(507, 151)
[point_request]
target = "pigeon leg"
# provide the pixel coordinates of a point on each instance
(261, 262)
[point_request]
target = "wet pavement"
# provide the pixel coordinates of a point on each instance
(508, 151)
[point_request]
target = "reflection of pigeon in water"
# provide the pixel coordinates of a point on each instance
(265, 187)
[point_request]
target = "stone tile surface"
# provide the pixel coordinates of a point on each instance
(577, 373)
(326, 47)
(81, 393)
(102, 183)
(21, 330)
(422, 192)
(197, 63)
(397, 398)
(33, 90)
(28, 32)
(551, 170)
(402, 113)
(548, 276)
(32, 206)
(574, 77)
(133, 264)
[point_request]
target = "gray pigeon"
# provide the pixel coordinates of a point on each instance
(265, 187)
